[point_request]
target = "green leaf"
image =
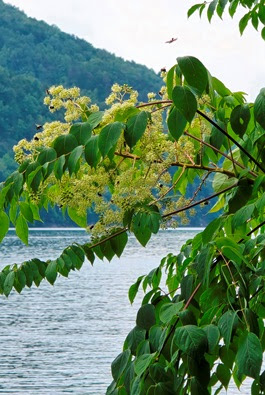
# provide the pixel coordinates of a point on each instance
(233, 7)
(193, 9)
(22, 230)
(140, 227)
(226, 324)
(135, 128)
(224, 375)
(170, 81)
(80, 220)
(220, 88)
(47, 155)
(64, 144)
(242, 215)
(107, 250)
(176, 123)
(134, 289)
(26, 211)
(119, 364)
(20, 281)
(249, 355)
(211, 10)
(95, 118)
(109, 136)
(243, 22)
(169, 310)
(146, 316)
(185, 102)
(9, 282)
(73, 161)
(222, 181)
(92, 153)
(82, 132)
(259, 108)
(134, 338)
(213, 336)
(4, 224)
(191, 339)
(239, 119)
(194, 72)
(51, 272)
(118, 243)
(263, 35)
(89, 253)
(142, 363)
(59, 167)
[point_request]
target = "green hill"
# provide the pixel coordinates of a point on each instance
(34, 56)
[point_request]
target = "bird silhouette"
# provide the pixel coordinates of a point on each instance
(171, 40)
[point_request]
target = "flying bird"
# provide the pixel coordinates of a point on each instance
(171, 40)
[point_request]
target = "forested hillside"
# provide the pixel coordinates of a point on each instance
(34, 56)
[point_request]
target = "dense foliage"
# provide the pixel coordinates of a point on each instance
(34, 56)
(201, 322)
(255, 12)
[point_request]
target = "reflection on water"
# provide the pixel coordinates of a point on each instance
(62, 339)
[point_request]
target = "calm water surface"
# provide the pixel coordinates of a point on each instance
(62, 339)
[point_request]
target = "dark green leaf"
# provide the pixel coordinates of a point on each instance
(220, 88)
(146, 316)
(226, 324)
(59, 167)
(176, 123)
(73, 160)
(95, 118)
(134, 338)
(92, 153)
(184, 101)
(118, 243)
(239, 119)
(194, 72)
(64, 144)
(211, 9)
(26, 211)
(107, 250)
(243, 22)
(135, 128)
(242, 215)
(213, 336)
(223, 373)
(233, 7)
(142, 363)
(249, 355)
(22, 230)
(169, 310)
(82, 132)
(191, 339)
(109, 136)
(89, 253)
(134, 289)
(4, 224)
(193, 9)
(119, 364)
(47, 155)
(259, 108)
(51, 272)
(170, 81)
(9, 282)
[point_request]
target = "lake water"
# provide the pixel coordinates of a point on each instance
(62, 339)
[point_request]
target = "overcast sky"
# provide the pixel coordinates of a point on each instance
(137, 30)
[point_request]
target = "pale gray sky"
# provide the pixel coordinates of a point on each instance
(137, 30)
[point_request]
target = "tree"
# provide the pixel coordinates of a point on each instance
(202, 325)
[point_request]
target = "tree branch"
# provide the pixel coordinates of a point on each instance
(232, 139)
